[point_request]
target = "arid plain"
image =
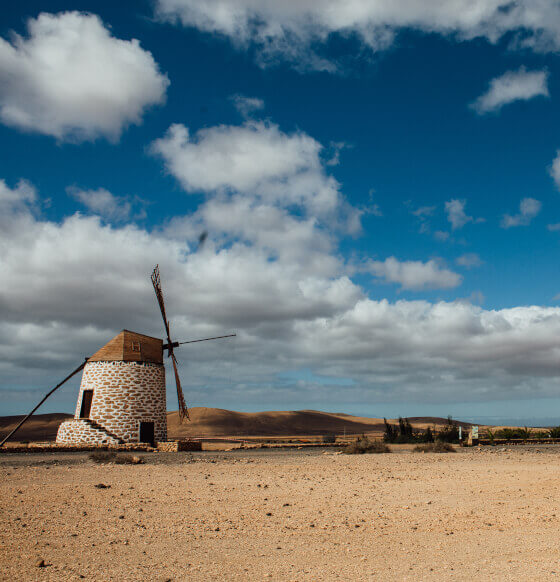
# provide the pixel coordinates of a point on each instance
(286, 514)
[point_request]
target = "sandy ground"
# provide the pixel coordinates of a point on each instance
(283, 515)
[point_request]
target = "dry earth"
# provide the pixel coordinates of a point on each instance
(490, 514)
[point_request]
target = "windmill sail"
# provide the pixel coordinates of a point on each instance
(156, 282)
(183, 410)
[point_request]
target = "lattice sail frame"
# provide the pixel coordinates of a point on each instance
(156, 282)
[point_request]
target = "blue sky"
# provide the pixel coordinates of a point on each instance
(378, 188)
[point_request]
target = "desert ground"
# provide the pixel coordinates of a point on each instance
(490, 514)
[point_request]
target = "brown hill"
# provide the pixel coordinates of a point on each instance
(40, 427)
(216, 422)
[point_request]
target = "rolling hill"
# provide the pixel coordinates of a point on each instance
(216, 422)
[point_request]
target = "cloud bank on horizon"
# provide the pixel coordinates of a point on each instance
(291, 308)
(279, 265)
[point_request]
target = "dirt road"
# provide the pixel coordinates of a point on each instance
(283, 515)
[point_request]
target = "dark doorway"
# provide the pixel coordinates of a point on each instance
(147, 433)
(87, 397)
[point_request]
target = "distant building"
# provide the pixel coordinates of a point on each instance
(122, 395)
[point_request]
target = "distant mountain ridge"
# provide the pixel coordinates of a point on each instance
(217, 422)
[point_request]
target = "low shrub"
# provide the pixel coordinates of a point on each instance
(449, 433)
(526, 433)
(102, 456)
(129, 460)
(490, 435)
(437, 447)
(363, 445)
(112, 457)
(514, 433)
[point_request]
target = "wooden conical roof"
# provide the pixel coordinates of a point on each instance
(129, 346)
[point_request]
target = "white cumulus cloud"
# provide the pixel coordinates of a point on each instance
(455, 210)
(441, 235)
(414, 275)
(102, 202)
(555, 170)
(255, 158)
(520, 85)
(18, 199)
(247, 105)
(71, 79)
(528, 209)
(469, 260)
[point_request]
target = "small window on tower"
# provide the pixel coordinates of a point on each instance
(135, 346)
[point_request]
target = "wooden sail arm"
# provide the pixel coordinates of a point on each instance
(206, 339)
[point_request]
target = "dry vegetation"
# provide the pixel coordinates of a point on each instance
(437, 447)
(364, 445)
(112, 457)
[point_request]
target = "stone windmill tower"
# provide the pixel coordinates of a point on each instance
(122, 393)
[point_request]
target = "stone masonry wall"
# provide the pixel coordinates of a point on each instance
(176, 446)
(79, 431)
(124, 394)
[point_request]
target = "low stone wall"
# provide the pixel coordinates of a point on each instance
(176, 446)
(60, 448)
(545, 441)
(71, 432)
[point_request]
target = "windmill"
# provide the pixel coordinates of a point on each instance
(122, 395)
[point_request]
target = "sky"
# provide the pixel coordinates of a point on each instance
(366, 193)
